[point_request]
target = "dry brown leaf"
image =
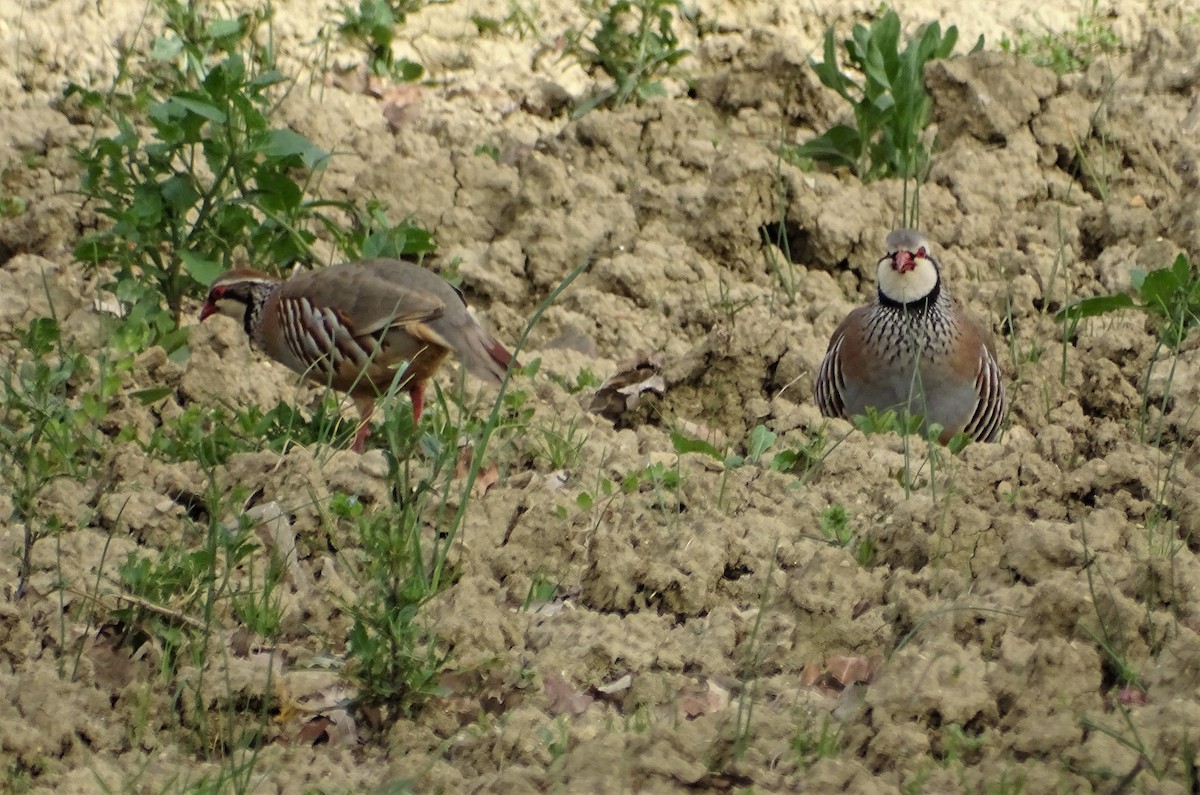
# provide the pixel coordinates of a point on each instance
(112, 665)
(463, 465)
(336, 729)
(811, 674)
(848, 670)
(239, 642)
(1132, 696)
(616, 686)
(704, 699)
(487, 477)
(313, 730)
(563, 697)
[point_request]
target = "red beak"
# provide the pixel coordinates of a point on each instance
(903, 262)
(209, 309)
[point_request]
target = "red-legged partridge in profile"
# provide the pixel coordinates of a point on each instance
(354, 326)
(914, 349)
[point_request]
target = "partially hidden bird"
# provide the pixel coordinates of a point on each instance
(914, 350)
(357, 327)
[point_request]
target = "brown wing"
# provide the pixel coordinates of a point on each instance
(829, 389)
(992, 405)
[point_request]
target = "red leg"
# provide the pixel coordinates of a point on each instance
(365, 407)
(417, 393)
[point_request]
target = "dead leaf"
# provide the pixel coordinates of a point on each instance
(848, 670)
(708, 697)
(275, 530)
(463, 465)
(112, 664)
(336, 729)
(563, 697)
(1132, 696)
(239, 642)
(313, 731)
(616, 686)
(811, 674)
(487, 477)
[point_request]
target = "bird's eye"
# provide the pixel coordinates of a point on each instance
(921, 252)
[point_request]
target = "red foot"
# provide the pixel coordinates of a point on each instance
(366, 407)
(417, 393)
(360, 438)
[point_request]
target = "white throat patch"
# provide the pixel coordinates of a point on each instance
(912, 285)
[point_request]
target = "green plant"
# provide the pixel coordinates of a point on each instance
(372, 26)
(805, 459)
(835, 528)
(760, 441)
(521, 21)
(559, 443)
(835, 525)
(812, 741)
(960, 747)
(53, 399)
(195, 177)
(891, 107)
(393, 658)
(177, 602)
(210, 435)
(585, 380)
(1169, 296)
(542, 590)
(11, 206)
(1070, 51)
(633, 42)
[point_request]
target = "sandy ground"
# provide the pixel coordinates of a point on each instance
(1030, 616)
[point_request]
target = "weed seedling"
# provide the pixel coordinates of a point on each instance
(44, 434)
(372, 26)
(1170, 295)
(633, 42)
(196, 177)
(1071, 51)
(891, 107)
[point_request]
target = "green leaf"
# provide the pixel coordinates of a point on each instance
(958, 442)
(761, 439)
(177, 106)
(1158, 289)
(284, 143)
(839, 145)
(407, 71)
(41, 336)
(180, 193)
(166, 48)
(828, 72)
(223, 28)
(278, 192)
(1094, 307)
(684, 444)
(152, 395)
(199, 268)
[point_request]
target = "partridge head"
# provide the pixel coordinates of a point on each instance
(914, 350)
(357, 327)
